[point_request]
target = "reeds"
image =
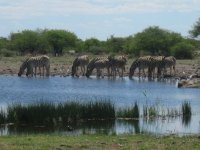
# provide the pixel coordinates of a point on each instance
(186, 113)
(131, 112)
(2, 117)
(53, 114)
(44, 113)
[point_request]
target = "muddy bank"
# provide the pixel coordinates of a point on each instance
(189, 83)
(62, 66)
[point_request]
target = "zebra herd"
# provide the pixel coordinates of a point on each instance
(114, 66)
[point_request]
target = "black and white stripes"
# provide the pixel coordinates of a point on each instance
(35, 62)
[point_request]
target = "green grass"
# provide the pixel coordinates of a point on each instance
(98, 142)
(130, 112)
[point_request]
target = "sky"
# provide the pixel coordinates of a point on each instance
(98, 18)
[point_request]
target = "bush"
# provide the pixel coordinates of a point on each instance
(96, 50)
(7, 53)
(182, 50)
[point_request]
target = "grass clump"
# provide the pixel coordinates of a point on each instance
(150, 111)
(186, 113)
(2, 117)
(132, 112)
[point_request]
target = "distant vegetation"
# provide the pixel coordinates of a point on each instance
(151, 41)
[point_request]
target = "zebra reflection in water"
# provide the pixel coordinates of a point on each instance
(34, 62)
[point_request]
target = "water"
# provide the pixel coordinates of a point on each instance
(122, 92)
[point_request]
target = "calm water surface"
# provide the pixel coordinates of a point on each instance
(122, 92)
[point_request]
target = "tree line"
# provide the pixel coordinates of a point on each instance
(151, 41)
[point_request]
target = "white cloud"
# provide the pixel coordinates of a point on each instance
(20, 9)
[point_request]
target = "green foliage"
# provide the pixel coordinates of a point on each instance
(29, 41)
(151, 41)
(115, 44)
(155, 41)
(92, 42)
(50, 114)
(195, 32)
(182, 50)
(58, 39)
(187, 113)
(7, 53)
(2, 117)
(186, 109)
(132, 112)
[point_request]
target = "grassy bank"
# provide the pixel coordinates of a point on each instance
(95, 142)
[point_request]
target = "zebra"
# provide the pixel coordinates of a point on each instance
(156, 62)
(116, 64)
(34, 62)
(169, 62)
(81, 61)
(140, 63)
(98, 64)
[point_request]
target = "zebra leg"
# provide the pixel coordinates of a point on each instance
(143, 72)
(35, 70)
(82, 71)
(43, 71)
(40, 71)
(98, 72)
(139, 72)
(31, 71)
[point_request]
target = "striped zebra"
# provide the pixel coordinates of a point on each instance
(82, 62)
(34, 62)
(140, 63)
(157, 63)
(117, 63)
(99, 64)
(169, 62)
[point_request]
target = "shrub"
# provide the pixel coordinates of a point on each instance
(7, 53)
(96, 50)
(182, 50)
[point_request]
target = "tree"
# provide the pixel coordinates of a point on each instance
(195, 32)
(29, 41)
(58, 39)
(115, 44)
(182, 50)
(92, 42)
(155, 41)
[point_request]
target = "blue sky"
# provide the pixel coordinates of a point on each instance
(98, 18)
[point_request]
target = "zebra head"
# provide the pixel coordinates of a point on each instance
(134, 65)
(74, 66)
(23, 66)
(91, 66)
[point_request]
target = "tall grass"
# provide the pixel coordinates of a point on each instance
(150, 111)
(186, 109)
(131, 112)
(186, 113)
(2, 116)
(51, 114)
